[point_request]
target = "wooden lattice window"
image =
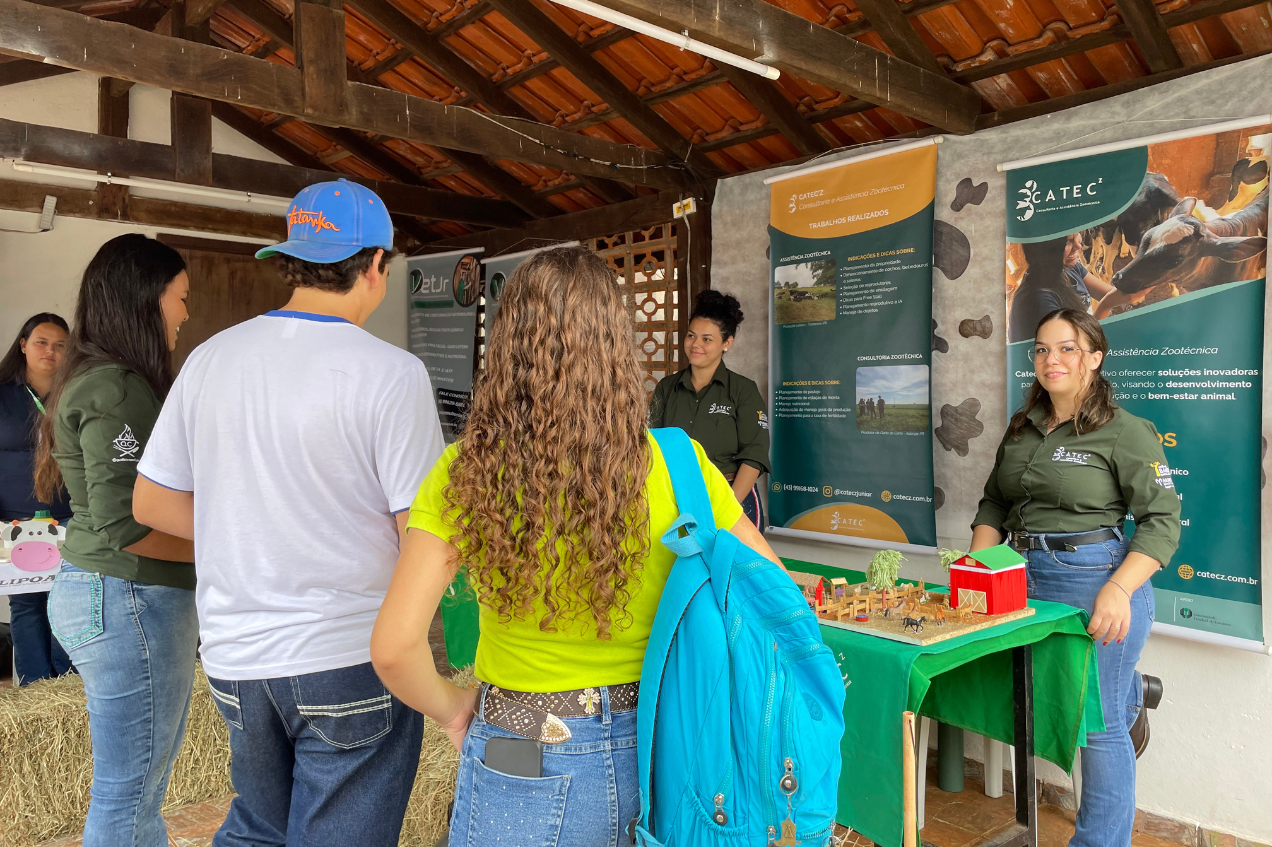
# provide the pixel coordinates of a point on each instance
(645, 260)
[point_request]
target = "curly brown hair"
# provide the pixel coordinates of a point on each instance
(547, 492)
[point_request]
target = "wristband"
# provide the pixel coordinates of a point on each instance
(1121, 586)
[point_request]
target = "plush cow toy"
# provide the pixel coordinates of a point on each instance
(33, 545)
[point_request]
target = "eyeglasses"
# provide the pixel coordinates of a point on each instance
(1066, 353)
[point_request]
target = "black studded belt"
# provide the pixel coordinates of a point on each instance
(538, 715)
(1023, 542)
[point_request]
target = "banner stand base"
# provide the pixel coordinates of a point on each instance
(1209, 638)
(852, 541)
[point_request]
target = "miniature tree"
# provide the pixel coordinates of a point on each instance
(949, 557)
(881, 573)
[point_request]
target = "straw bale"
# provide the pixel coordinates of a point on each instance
(46, 759)
(46, 764)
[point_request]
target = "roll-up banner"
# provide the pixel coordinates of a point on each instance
(850, 341)
(444, 289)
(498, 270)
(1164, 240)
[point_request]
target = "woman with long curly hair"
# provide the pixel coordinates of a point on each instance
(551, 502)
(123, 604)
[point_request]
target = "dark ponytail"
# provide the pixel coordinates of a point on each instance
(722, 309)
(1097, 404)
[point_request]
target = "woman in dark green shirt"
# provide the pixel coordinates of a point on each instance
(1070, 467)
(721, 410)
(123, 604)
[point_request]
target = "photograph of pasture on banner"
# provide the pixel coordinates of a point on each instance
(893, 399)
(1199, 219)
(804, 293)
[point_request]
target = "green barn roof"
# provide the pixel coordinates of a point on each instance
(997, 558)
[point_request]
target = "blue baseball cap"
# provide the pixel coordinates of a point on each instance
(330, 221)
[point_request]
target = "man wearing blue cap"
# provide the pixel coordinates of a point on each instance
(289, 449)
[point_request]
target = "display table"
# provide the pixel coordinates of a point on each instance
(965, 682)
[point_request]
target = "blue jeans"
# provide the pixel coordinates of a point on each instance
(36, 653)
(134, 644)
(1107, 810)
(587, 796)
(325, 758)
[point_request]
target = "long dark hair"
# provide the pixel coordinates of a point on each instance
(117, 321)
(14, 363)
(1096, 407)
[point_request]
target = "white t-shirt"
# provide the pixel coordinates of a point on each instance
(301, 436)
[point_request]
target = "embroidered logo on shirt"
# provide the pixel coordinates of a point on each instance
(719, 409)
(127, 445)
(763, 420)
(1163, 478)
(1063, 455)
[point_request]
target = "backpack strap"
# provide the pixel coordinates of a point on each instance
(689, 574)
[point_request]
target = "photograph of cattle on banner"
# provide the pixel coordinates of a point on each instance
(1199, 219)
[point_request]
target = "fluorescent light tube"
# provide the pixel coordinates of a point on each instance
(156, 184)
(681, 40)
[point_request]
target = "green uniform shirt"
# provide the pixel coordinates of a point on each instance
(1065, 482)
(728, 417)
(100, 428)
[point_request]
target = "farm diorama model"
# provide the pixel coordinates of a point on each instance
(987, 588)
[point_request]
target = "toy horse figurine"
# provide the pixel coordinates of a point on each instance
(913, 623)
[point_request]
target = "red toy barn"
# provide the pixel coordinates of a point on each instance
(990, 581)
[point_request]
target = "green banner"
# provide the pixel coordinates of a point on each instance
(1165, 243)
(444, 291)
(850, 347)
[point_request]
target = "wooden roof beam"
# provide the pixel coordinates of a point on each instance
(894, 28)
(755, 28)
(206, 71)
(543, 31)
(779, 111)
(72, 149)
(1150, 34)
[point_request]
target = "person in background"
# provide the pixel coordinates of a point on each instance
(870, 408)
(1045, 287)
(26, 376)
(290, 449)
(1087, 285)
(553, 500)
(1070, 467)
(721, 410)
(879, 406)
(123, 603)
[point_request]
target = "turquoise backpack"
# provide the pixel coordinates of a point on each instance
(741, 704)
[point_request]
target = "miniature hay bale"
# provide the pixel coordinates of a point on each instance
(46, 764)
(46, 759)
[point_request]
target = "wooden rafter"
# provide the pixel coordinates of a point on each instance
(1150, 34)
(779, 111)
(248, 127)
(16, 71)
(528, 18)
(894, 28)
(205, 71)
(794, 45)
(69, 148)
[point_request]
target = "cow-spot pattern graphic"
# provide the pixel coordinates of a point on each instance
(982, 327)
(959, 425)
(951, 251)
(968, 194)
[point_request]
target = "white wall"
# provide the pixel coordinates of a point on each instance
(1210, 761)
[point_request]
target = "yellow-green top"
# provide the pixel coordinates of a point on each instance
(517, 655)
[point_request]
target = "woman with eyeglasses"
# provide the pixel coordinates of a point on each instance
(1070, 467)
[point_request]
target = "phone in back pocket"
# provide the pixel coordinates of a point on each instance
(515, 756)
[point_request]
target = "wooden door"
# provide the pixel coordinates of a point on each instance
(228, 285)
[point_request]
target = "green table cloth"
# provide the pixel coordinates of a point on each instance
(964, 682)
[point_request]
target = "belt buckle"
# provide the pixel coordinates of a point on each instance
(1021, 541)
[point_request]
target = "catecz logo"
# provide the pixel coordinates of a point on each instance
(1033, 196)
(1063, 455)
(792, 207)
(719, 409)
